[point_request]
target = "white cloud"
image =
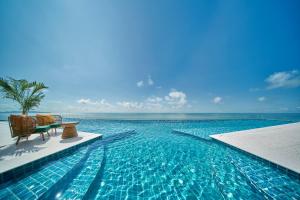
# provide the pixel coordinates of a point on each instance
(131, 105)
(154, 99)
(154, 103)
(84, 101)
(101, 103)
(150, 81)
(261, 99)
(140, 83)
(287, 79)
(104, 103)
(217, 100)
(176, 99)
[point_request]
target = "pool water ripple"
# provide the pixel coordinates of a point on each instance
(152, 162)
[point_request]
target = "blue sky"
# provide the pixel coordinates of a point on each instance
(155, 56)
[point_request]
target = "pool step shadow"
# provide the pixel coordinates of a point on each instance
(249, 179)
(81, 183)
(80, 177)
(197, 137)
(95, 185)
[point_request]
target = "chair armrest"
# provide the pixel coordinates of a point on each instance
(34, 121)
(58, 118)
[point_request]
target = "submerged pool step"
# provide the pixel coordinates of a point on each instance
(84, 172)
(225, 178)
(36, 184)
(81, 183)
(61, 186)
(269, 181)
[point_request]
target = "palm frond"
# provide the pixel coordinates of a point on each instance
(9, 88)
(27, 94)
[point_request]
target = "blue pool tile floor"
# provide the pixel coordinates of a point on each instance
(147, 160)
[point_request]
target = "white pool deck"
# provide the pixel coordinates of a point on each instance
(277, 144)
(13, 156)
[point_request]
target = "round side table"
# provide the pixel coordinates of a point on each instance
(69, 130)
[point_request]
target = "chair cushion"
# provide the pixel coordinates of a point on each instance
(40, 129)
(43, 119)
(50, 119)
(40, 120)
(55, 125)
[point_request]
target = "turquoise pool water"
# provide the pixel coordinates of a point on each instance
(156, 159)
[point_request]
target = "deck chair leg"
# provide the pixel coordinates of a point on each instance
(42, 134)
(48, 133)
(55, 131)
(18, 140)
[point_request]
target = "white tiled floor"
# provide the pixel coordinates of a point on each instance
(278, 144)
(5, 137)
(12, 155)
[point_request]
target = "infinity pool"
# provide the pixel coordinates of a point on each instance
(156, 160)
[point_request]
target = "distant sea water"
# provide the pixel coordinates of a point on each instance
(289, 117)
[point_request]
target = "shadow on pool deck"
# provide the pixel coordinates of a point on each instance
(12, 155)
(33, 144)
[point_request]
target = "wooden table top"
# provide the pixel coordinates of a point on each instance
(70, 123)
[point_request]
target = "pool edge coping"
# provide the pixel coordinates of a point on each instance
(284, 169)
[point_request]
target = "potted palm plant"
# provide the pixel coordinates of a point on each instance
(27, 94)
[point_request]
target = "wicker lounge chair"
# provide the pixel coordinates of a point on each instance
(54, 121)
(24, 126)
